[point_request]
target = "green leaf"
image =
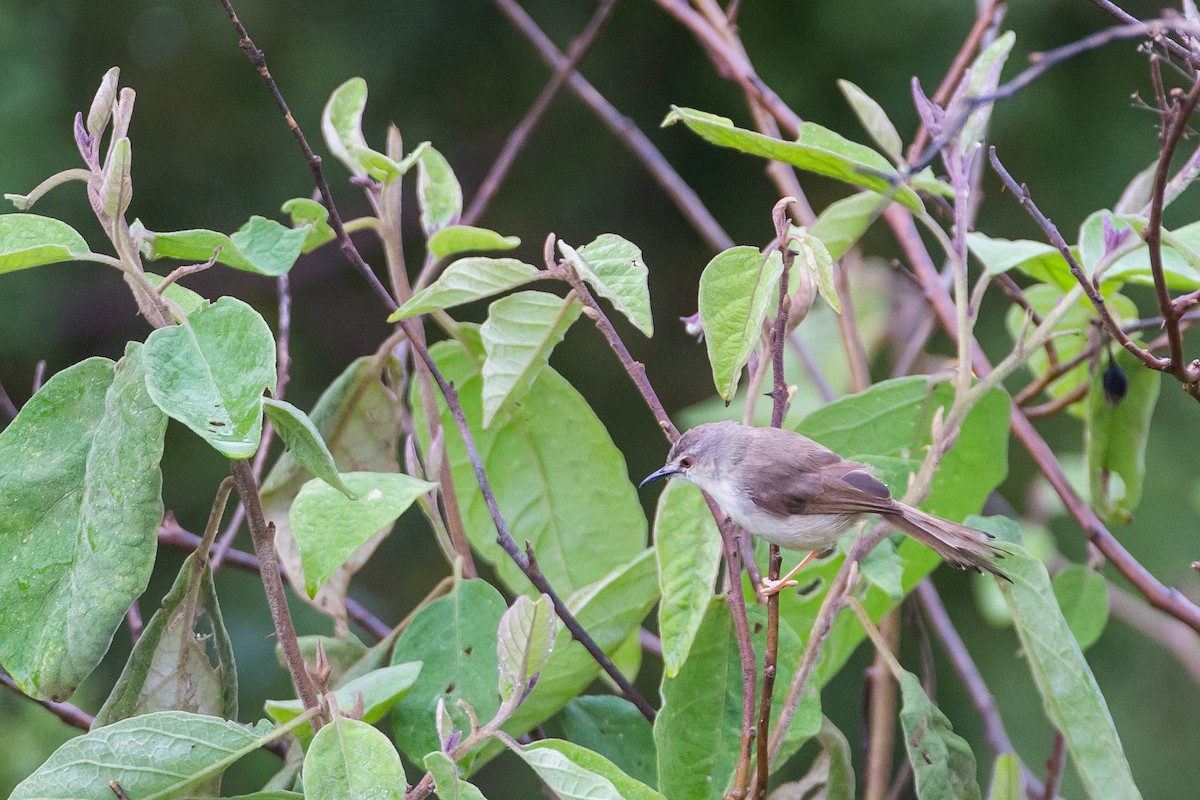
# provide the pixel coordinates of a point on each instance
(688, 545)
(816, 149)
(350, 760)
(454, 239)
(1069, 692)
(341, 123)
(1006, 780)
(305, 443)
(698, 729)
(262, 246)
(883, 568)
(172, 665)
(844, 221)
(29, 240)
(438, 194)
(524, 642)
(455, 636)
(613, 727)
(982, 79)
(536, 479)
(1038, 260)
(466, 280)
(80, 502)
(328, 526)
(576, 773)
(446, 782)
(359, 418)
(115, 188)
(188, 301)
(1116, 435)
(152, 757)
(610, 611)
(736, 291)
(520, 332)
(379, 689)
(209, 373)
(832, 770)
(305, 211)
(873, 119)
(943, 764)
(814, 257)
(613, 267)
(1082, 594)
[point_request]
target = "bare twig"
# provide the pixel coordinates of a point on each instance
(133, 621)
(1054, 766)
(881, 711)
(520, 134)
(187, 269)
(72, 715)
(625, 129)
(7, 407)
(262, 534)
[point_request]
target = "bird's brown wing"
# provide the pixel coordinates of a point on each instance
(823, 483)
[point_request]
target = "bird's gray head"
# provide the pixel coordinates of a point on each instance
(702, 454)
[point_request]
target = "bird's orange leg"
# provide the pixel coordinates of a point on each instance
(771, 587)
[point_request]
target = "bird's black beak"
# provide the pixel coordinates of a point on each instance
(665, 472)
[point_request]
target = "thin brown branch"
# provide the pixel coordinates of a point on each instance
(520, 134)
(262, 534)
(624, 129)
(1021, 192)
(1124, 16)
(1179, 114)
(72, 715)
(133, 621)
(1052, 407)
(1054, 766)
(881, 712)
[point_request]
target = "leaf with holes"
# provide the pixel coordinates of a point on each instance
(943, 764)
(613, 267)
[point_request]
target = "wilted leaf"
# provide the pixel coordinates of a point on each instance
(1116, 435)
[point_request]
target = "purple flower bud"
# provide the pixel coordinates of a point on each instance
(693, 327)
(1113, 238)
(85, 142)
(451, 741)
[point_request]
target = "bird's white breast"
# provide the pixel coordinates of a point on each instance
(796, 532)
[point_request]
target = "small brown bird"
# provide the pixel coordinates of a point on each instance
(798, 494)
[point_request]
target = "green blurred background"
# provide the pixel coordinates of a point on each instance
(210, 150)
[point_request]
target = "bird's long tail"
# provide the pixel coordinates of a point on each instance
(963, 547)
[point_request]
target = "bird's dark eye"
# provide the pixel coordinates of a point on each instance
(686, 463)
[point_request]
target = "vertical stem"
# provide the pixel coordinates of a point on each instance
(882, 714)
(1054, 766)
(263, 536)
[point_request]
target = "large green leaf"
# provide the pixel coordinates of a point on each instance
(613, 267)
(698, 729)
(350, 760)
(29, 240)
(172, 665)
(455, 636)
(209, 372)
(1071, 697)
(613, 727)
(80, 502)
(520, 332)
(737, 289)
(1116, 435)
(262, 246)
(815, 149)
(943, 764)
(688, 545)
(157, 756)
(467, 279)
(1082, 594)
(576, 773)
(329, 527)
(359, 418)
(536, 478)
